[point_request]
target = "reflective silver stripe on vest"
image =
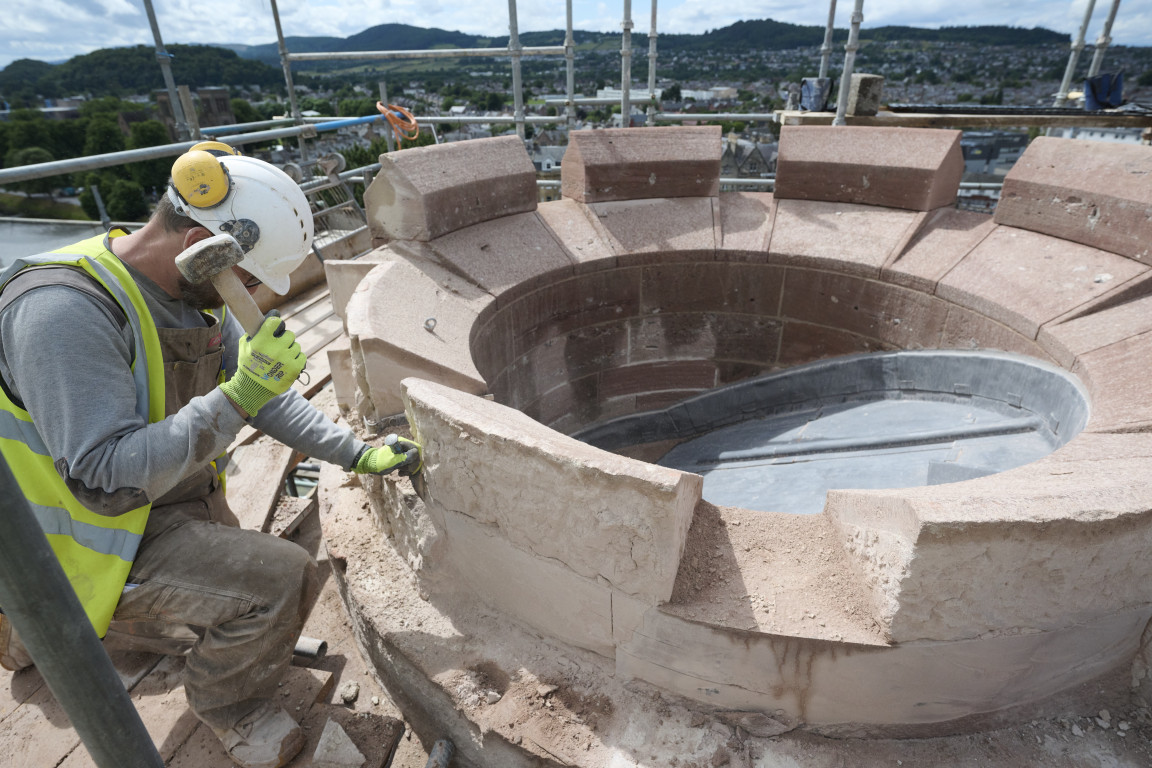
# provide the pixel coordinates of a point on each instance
(12, 428)
(106, 541)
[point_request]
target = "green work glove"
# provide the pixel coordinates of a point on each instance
(396, 453)
(266, 365)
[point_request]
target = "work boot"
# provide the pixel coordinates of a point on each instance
(13, 655)
(267, 737)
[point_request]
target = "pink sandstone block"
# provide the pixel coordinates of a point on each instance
(1016, 552)
(664, 227)
(843, 237)
(915, 169)
(746, 223)
(569, 223)
(946, 236)
(540, 592)
(1068, 339)
(887, 313)
(1024, 279)
(1117, 378)
(637, 163)
(1090, 192)
(388, 325)
(503, 254)
(344, 276)
(609, 519)
(425, 192)
(965, 329)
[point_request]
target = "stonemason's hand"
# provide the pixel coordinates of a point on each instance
(397, 453)
(267, 364)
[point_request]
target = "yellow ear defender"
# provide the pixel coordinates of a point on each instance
(201, 179)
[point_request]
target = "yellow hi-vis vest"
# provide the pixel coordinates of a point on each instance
(96, 551)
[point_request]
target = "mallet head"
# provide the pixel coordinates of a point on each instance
(211, 256)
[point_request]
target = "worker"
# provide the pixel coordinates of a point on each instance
(120, 390)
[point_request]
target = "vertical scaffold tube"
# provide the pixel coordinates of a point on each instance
(849, 63)
(517, 85)
(44, 609)
(165, 60)
(826, 49)
(1104, 40)
(652, 69)
(570, 58)
(1074, 56)
(626, 67)
(287, 65)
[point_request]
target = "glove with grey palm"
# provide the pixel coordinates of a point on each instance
(397, 454)
(267, 364)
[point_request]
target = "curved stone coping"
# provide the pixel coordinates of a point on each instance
(999, 382)
(617, 523)
(429, 626)
(946, 565)
(1056, 543)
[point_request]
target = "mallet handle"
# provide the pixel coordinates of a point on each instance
(238, 299)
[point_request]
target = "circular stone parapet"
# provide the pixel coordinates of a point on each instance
(917, 610)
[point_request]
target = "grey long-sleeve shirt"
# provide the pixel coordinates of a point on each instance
(68, 360)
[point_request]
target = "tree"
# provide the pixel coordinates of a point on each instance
(149, 174)
(245, 112)
(30, 156)
(125, 201)
(103, 136)
(672, 93)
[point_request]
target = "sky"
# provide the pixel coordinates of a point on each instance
(55, 30)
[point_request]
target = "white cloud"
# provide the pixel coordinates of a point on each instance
(57, 29)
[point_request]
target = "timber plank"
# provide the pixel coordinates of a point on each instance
(256, 476)
(159, 698)
(301, 690)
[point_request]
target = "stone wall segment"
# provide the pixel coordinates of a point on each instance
(601, 515)
(1024, 279)
(745, 220)
(916, 169)
(425, 192)
(663, 228)
(507, 253)
(1045, 546)
(387, 322)
(638, 163)
(946, 236)
(1089, 192)
(846, 237)
(909, 690)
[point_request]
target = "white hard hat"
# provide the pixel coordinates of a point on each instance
(256, 203)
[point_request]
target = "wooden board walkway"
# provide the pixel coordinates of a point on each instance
(35, 732)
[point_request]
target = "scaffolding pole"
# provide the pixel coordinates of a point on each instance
(516, 51)
(826, 49)
(652, 66)
(286, 63)
(165, 59)
(849, 63)
(626, 67)
(1103, 41)
(570, 61)
(1074, 56)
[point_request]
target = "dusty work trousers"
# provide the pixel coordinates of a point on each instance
(232, 600)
